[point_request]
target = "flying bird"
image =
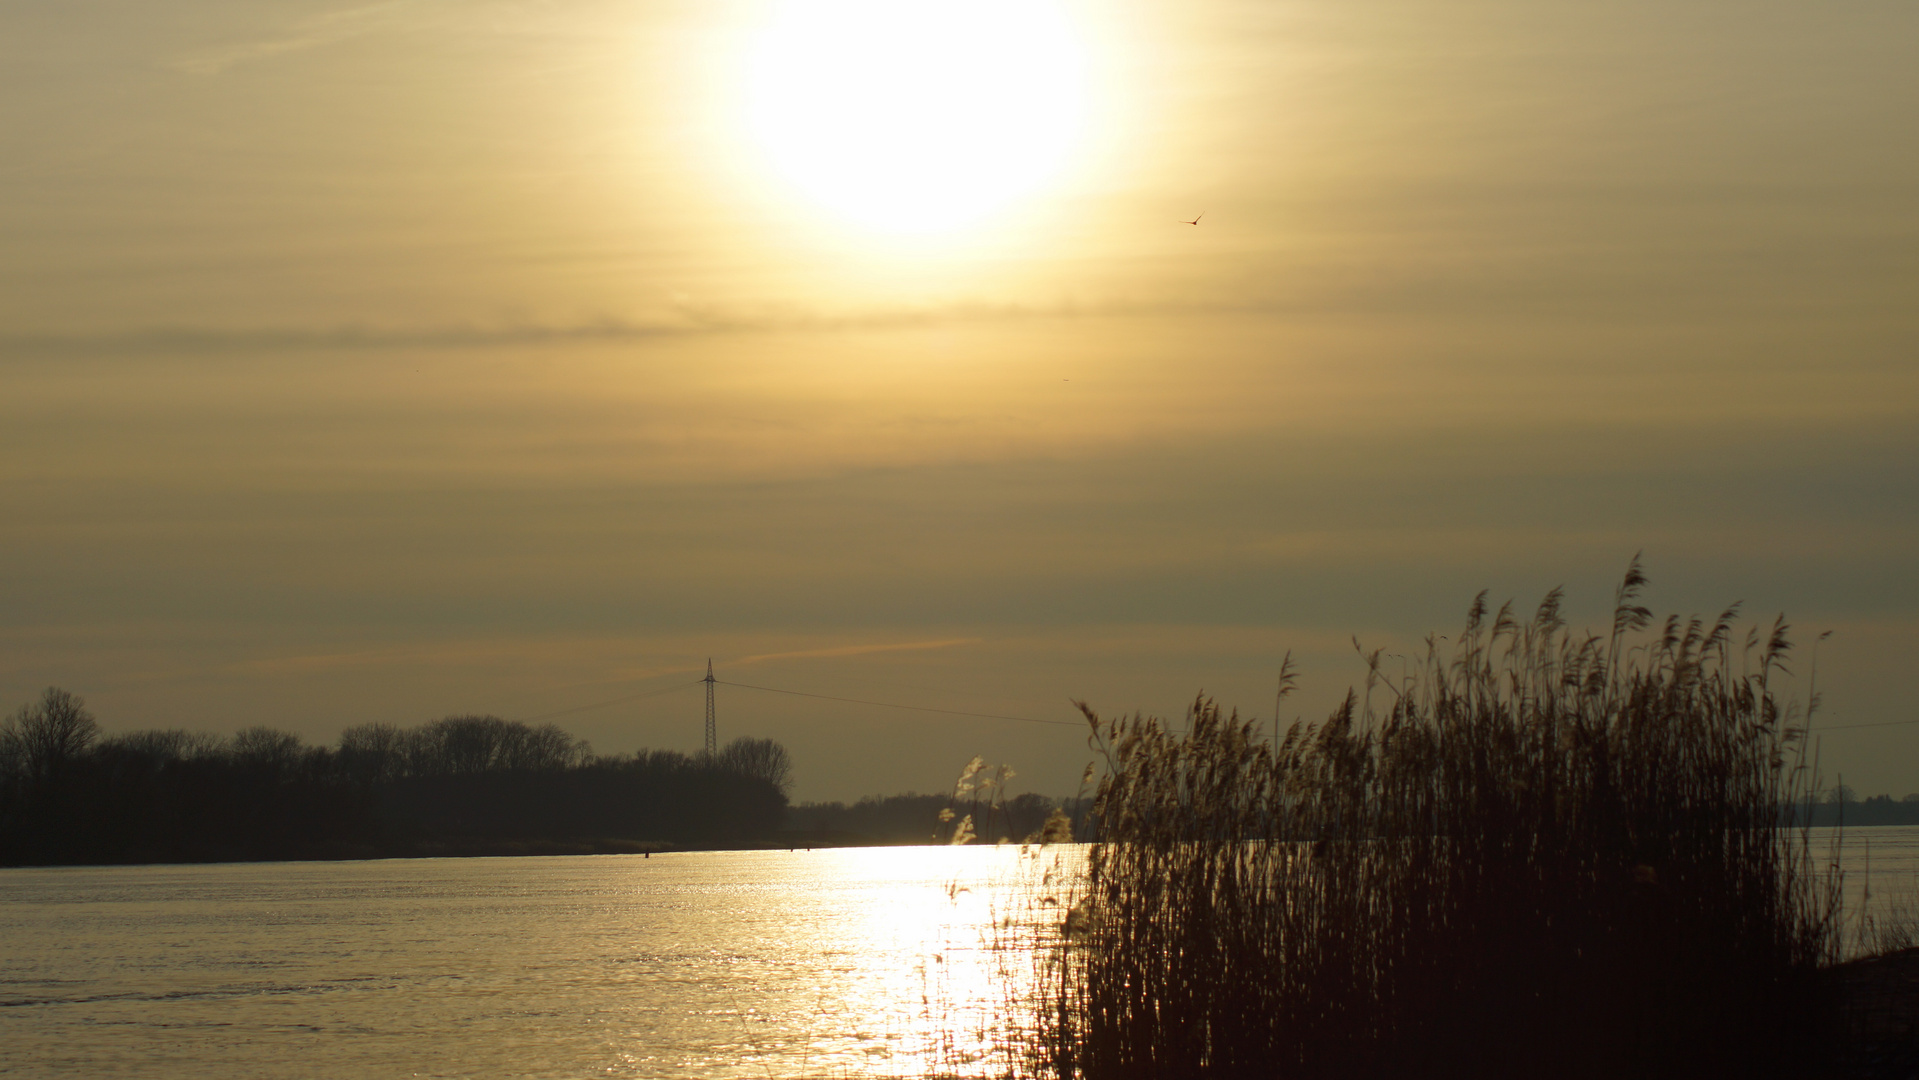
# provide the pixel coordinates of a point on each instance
(1195, 221)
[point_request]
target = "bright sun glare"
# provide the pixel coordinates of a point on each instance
(917, 116)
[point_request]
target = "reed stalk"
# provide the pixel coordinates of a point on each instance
(1540, 853)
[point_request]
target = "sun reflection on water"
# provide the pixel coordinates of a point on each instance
(873, 962)
(950, 961)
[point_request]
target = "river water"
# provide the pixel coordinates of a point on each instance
(844, 963)
(873, 962)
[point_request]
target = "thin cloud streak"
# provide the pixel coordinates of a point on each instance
(693, 324)
(856, 650)
(318, 31)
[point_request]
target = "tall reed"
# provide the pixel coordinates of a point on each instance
(1539, 853)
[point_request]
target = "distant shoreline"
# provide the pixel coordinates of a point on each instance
(498, 849)
(484, 849)
(1878, 810)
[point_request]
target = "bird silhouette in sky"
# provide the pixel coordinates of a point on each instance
(1195, 221)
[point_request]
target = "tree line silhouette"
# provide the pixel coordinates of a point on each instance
(461, 785)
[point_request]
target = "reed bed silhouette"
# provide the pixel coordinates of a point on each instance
(1534, 853)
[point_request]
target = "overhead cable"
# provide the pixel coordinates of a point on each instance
(896, 705)
(1851, 727)
(612, 701)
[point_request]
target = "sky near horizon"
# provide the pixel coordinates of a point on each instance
(388, 361)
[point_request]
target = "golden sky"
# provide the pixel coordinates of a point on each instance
(383, 361)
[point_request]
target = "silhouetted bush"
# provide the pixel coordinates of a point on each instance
(761, 758)
(462, 784)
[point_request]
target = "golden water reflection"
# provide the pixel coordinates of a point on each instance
(875, 962)
(872, 962)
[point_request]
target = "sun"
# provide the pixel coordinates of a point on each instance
(916, 116)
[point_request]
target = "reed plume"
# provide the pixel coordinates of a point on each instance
(1539, 853)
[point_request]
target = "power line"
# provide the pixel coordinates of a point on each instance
(1851, 727)
(962, 712)
(896, 705)
(795, 693)
(611, 701)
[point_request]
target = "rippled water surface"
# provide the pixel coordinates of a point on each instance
(863, 962)
(1881, 868)
(851, 963)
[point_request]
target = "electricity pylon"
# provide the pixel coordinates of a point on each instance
(712, 732)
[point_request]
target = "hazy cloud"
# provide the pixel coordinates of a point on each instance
(313, 32)
(496, 373)
(857, 650)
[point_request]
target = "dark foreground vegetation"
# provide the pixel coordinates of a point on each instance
(462, 785)
(1536, 854)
